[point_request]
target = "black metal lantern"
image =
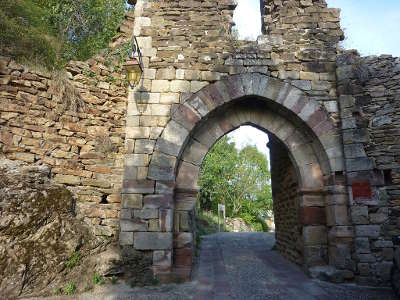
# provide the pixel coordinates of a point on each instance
(134, 64)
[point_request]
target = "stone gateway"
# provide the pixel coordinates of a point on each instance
(132, 160)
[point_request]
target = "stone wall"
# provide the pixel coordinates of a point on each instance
(369, 90)
(73, 122)
(288, 229)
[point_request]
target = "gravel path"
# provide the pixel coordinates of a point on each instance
(241, 266)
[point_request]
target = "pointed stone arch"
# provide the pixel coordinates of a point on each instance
(300, 123)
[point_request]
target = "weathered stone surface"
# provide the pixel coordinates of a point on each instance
(132, 201)
(152, 240)
(372, 231)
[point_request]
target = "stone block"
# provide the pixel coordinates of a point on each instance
(165, 187)
(180, 86)
(144, 146)
(160, 110)
(191, 75)
(337, 215)
(383, 270)
(166, 220)
(162, 258)
(363, 269)
(169, 98)
(195, 153)
(199, 106)
(166, 74)
(137, 132)
(68, 179)
(196, 86)
(184, 221)
(133, 225)
(138, 186)
(359, 164)
(149, 73)
(187, 176)
(173, 137)
(362, 245)
(146, 213)
(158, 201)
(126, 213)
(132, 201)
(137, 160)
(371, 231)
(359, 215)
(186, 115)
(160, 86)
(183, 257)
(309, 76)
(126, 238)
(152, 240)
(315, 235)
(312, 215)
(183, 239)
(154, 225)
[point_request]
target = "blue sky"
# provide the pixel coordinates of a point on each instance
(371, 26)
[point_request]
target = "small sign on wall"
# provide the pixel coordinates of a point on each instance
(361, 190)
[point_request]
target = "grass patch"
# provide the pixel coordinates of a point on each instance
(98, 279)
(73, 260)
(70, 289)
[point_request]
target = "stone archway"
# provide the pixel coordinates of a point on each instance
(300, 124)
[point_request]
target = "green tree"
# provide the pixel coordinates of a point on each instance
(51, 32)
(239, 179)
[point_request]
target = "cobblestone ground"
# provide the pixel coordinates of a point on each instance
(242, 266)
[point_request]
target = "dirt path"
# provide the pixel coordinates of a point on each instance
(241, 266)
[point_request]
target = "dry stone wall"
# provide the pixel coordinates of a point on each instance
(288, 230)
(74, 123)
(369, 90)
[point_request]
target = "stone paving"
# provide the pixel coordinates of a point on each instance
(242, 266)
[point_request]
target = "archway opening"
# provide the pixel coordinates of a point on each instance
(297, 179)
(235, 176)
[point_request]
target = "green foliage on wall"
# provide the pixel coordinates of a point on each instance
(239, 179)
(52, 32)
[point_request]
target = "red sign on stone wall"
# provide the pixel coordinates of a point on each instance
(361, 190)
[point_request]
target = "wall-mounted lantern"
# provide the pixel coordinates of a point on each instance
(134, 65)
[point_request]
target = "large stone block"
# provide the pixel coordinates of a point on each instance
(173, 137)
(195, 153)
(186, 116)
(180, 86)
(371, 231)
(160, 86)
(312, 215)
(126, 238)
(187, 176)
(146, 213)
(132, 201)
(315, 235)
(158, 201)
(133, 225)
(152, 240)
(138, 186)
